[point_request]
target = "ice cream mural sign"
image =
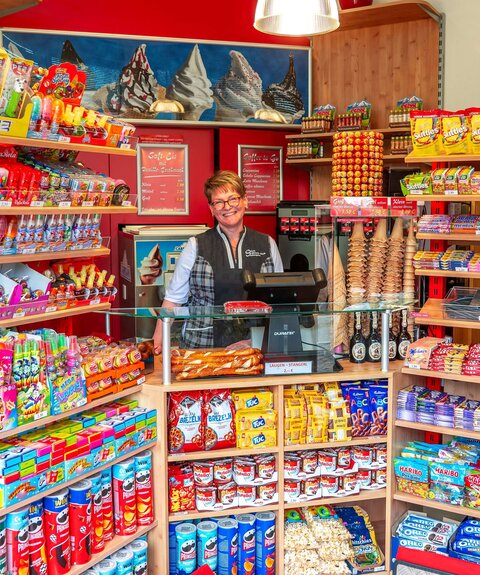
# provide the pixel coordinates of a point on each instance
(261, 170)
(162, 171)
(161, 79)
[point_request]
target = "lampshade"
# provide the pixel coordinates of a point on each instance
(296, 17)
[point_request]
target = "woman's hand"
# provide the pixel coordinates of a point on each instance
(242, 344)
(158, 338)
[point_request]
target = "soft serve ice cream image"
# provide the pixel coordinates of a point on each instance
(238, 94)
(151, 267)
(191, 87)
(285, 97)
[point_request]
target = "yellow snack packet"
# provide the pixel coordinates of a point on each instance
(253, 399)
(454, 134)
(257, 419)
(474, 132)
(295, 432)
(253, 438)
(426, 137)
(295, 407)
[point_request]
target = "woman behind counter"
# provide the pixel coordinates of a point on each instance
(208, 271)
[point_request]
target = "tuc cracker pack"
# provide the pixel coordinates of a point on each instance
(455, 133)
(426, 136)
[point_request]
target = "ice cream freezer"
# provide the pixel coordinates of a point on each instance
(148, 255)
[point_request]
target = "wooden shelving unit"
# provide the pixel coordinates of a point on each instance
(33, 211)
(219, 453)
(456, 509)
(59, 314)
(459, 238)
(415, 159)
(443, 198)
(48, 256)
(374, 440)
(312, 162)
(32, 143)
(191, 515)
(448, 274)
(450, 431)
(432, 314)
(328, 135)
(367, 495)
(441, 375)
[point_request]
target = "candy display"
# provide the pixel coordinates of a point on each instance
(214, 362)
(222, 483)
(357, 167)
(336, 472)
(39, 180)
(243, 545)
(60, 532)
(16, 74)
(219, 419)
(305, 149)
(322, 119)
(444, 224)
(436, 355)
(337, 541)
(65, 450)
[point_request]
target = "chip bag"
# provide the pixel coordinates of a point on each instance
(426, 136)
(455, 133)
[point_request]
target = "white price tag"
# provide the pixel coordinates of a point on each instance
(5, 203)
(63, 139)
(125, 147)
(288, 367)
(64, 204)
(87, 205)
(461, 270)
(141, 380)
(51, 308)
(37, 204)
(20, 313)
(95, 301)
(451, 193)
(28, 251)
(126, 203)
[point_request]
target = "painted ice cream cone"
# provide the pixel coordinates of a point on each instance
(151, 266)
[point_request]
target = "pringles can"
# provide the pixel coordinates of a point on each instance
(124, 502)
(98, 542)
(186, 534)
(265, 543)
(57, 532)
(80, 498)
(124, 561)
(246, 544)
(107, 504)
(36, 539)
(227, 546)
(139, 548)
(144, 488)
(207, 550)
(18, 556)
(106, 567)
(172, 547)
(3, 547)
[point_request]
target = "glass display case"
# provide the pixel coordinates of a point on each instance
(263, 339)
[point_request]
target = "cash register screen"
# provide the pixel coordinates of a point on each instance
(284, 287)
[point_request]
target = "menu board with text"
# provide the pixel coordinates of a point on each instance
(162, 173)
(260, 168)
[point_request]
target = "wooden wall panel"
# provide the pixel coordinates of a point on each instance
(380, 64)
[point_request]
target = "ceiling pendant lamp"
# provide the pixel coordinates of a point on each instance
(296, 17)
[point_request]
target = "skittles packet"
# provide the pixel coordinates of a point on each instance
(455, 133)
(426, 137)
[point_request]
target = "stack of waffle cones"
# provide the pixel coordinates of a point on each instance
(357, 265)
(408, 270)
(338, 294)
(393, 280)
(376, 262)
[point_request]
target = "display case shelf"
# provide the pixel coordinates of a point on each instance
(48, 256)
(33, 143)
(457, 509)
(415, 159)
(366, 495)
(191, 515)
(117, 543)
(443, 198)
(312, 162)
(44, 421)
(330, 444)
(219, 453)
(28, 500)
(432, 314)
(441, 375)
(328, 135)
(448, 274)
(51, 210)
(59, 314)
(459, 238)
(393, 12)
(451, 431)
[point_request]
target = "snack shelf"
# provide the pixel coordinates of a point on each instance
(59, 314)
(117, 543)
(327, 444)
(460, 238)
(57, 145)
(47, 256)
(312, 162)
(327, 135)
(414, 159)
(51, 210)
(448, 274)
(366, 495)
(219, 453)
(25, 502)
(451, 431)
(190, 515)
(440, 375)
(433, 315)
(53, 418)
(457, 509)
(443, 198)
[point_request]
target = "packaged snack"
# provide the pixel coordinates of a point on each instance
(253, 399)
(223, 470)
(417, 184)
(251, 439)
(474, 131)
(295, 432)
(438, 180)
(464, 176)
(454, 133)
(360, 412)
(472, 491)
(451, 181)
(379, 409)
(426, 138)
(412, 476)
(365, 109)
(474, 183)
(219, 412)
(181, 490)
(447, 482)
(259, 419)
(203, 473)
(185, 421)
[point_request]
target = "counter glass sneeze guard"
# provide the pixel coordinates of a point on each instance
(293, 338)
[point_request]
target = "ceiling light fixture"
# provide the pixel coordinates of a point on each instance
(296, 17)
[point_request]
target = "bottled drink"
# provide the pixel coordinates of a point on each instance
(374, 341)
(358, 347)
(392, 340)
(404, 338)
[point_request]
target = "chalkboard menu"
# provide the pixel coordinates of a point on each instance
(260, 168)
(162, 174)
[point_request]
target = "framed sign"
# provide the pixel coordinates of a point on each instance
(261, 169)
(162, 179)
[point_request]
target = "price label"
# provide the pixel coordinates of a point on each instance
(87, 204)
(64, 204)
(288, 367)
(95, 301)
(125, 147)
(27, 251)
(451, 193)
(126, 203)
(19, 313)
(63, 139)
(51, 308)
(37, 204)
(141, 380)
(5, 204)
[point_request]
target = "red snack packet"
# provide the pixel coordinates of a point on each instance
(219, 412)
(185, 422)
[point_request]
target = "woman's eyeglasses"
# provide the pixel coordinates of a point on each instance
(233, 202)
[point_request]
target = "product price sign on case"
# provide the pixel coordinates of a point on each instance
(288, 367)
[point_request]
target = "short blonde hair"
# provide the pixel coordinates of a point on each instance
(221, 180)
